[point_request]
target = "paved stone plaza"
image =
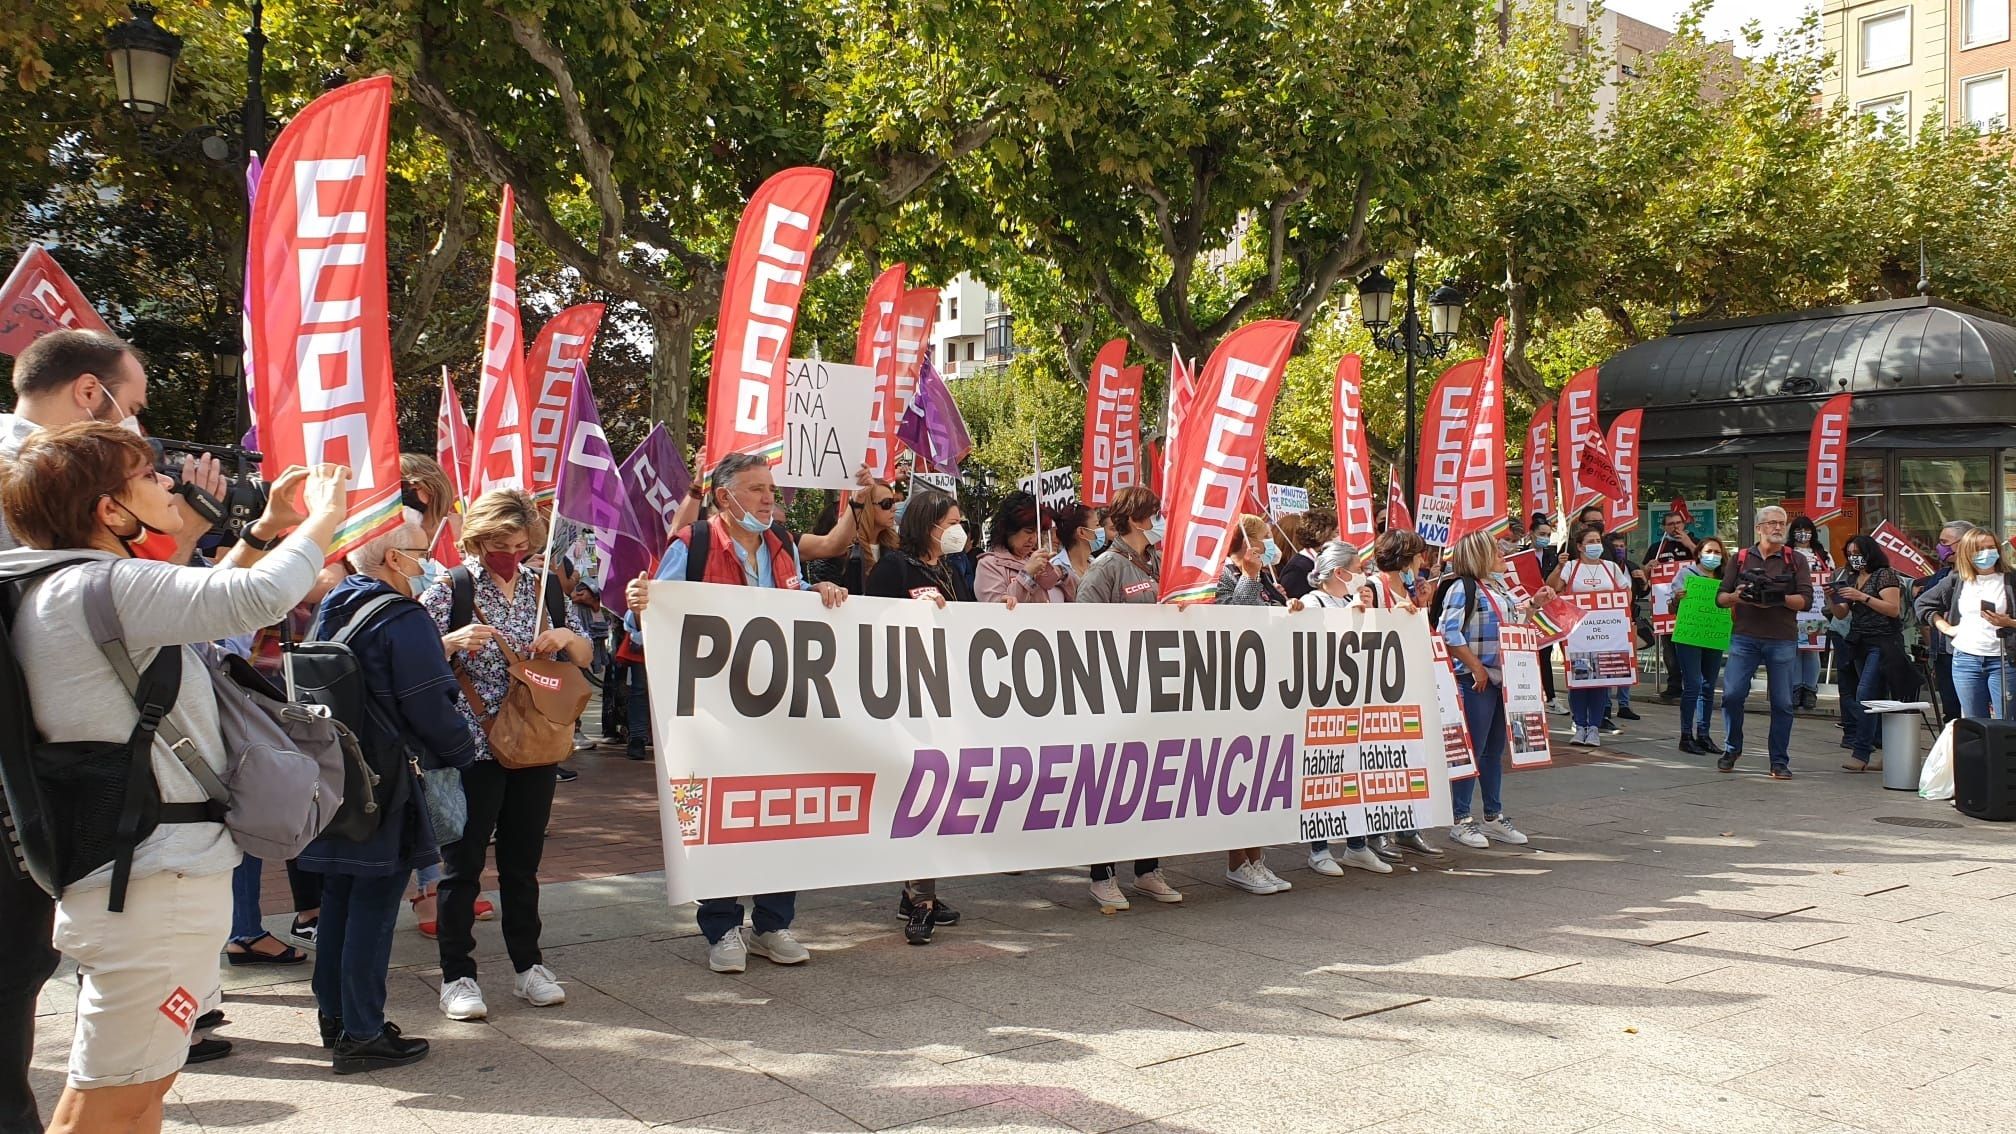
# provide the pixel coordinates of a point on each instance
(1677, 951)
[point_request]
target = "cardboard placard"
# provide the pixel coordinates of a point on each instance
(1455, 729)
(1526, 743)
(1598, 650)
(1661, 576)
(1432, 517)
(1697, 621)
(826, 414)
(1284, 499)
(1054, 489)
(935, 481)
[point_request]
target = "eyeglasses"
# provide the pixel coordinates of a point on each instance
(1770, 523)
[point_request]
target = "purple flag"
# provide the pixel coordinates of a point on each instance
(590, 490)
(932, 426)
(656, 476)
(254, 168)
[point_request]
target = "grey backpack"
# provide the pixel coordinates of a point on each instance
(285, 763)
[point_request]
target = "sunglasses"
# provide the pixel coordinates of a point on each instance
(888, 505)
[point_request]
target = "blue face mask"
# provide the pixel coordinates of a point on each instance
(1098, 541)
(1711, 561)
(1408, 578)
(1986, 560)
(748, 520)
(1592, 551)
(1270, 553)
(1156, 531)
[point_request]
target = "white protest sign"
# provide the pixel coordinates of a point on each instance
(1432, 517)
(1599, 653)
(1526, 743)
(1284, 499)
(885, 739)
(938, 481)
(825, 423)
(1054, 489)
(1455, 730)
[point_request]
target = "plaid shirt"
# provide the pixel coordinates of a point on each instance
(1481, 633)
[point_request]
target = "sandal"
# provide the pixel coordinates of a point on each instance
(431, 930)
(1854, 766)
(484, 910)
(288, 955)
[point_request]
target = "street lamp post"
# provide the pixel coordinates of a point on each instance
(1407, 339)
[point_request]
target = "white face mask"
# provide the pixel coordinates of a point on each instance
(127, 421)
(953, 540)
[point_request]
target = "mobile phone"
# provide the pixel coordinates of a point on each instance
(1988, 608)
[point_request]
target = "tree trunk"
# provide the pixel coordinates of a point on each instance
(671, 368)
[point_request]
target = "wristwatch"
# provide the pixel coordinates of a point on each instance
(255, 543)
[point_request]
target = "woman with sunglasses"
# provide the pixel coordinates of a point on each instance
(873, 528)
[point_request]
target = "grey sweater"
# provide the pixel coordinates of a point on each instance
(76, 696)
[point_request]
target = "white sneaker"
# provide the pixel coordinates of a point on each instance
(1595, 738)
(1466, 833)
(538, 987)
(1280, 884)
(462, 1000)
(1364, 859)
(1325, 863)
(730, 954)
(1107, 893)
(1502, 830)
(1249, 880)
(1157, 887)
(1558, 707)
(780, 947)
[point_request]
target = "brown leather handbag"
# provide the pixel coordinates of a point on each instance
(534, 726)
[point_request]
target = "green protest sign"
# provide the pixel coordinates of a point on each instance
(1698, 621)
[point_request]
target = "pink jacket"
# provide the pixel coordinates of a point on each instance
(999, 575)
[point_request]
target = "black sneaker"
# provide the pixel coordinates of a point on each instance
(304, 931)
(389, 1049)
(205, 1050)
(1727, 763)
(1688, 746)
(941, 913)
(1708, 747)
(1627, 714)
(565, 776)
(332, 1030)
(1609, 725)
(214, 1018)
(638, 755)
(917, 930)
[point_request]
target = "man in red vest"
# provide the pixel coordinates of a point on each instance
(742, 542)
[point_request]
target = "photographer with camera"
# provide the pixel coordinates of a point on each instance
(1765, 587)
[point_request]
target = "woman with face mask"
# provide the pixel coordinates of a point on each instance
(1870, 596)
(1698, 665)
(1975, 607)
(407, 674)
(1130, 571)
(1337, 585)
(1804, 536)
(932, 530)
(1081, 535)
(1017, 563)
(1249, 560)
(1591, 569)
(81, 499)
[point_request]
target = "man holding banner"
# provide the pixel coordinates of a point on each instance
(743, 542)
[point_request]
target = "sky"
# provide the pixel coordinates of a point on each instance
(1725, 19)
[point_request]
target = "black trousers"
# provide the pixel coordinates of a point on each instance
(514, 804)
(27, 916)
(1546, 656)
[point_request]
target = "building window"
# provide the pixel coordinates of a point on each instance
(1984, 99)
(1892, 112)
(1886, 40)
(952, 311)
(969, 352)
(1934, 490)
(951, 354)
(1985, 21)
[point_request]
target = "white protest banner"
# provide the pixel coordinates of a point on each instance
(1811, 623)
(935, 481)
(1432, 517)
(1054, 489)
(1455, 730)
(884, 739)
(1598, 652)
(1286, 499)
(826, 408)
(1526, 744)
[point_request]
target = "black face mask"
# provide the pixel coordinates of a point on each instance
(409, 497)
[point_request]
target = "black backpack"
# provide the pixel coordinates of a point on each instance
(462, 599)
(68, 809)
(1438, 599)
(326, 673)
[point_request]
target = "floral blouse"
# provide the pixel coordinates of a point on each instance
(516, 620)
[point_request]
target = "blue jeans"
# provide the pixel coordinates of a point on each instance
(1588, 707)
(1484, 712)
(1699, 666)
(1623, 698)
(245, 923)
(718, 916)
(638, 708)
(1780, 659)
(1867, 661)
(1809, 669)
(353, 948)
(1978, 680)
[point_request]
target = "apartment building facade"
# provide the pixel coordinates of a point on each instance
(1899, 60)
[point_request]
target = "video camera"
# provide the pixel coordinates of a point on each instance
(1760, 588)
(244, 493)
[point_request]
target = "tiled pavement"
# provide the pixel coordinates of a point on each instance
(1677, 951)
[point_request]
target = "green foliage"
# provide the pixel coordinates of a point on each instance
(1014, 413)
